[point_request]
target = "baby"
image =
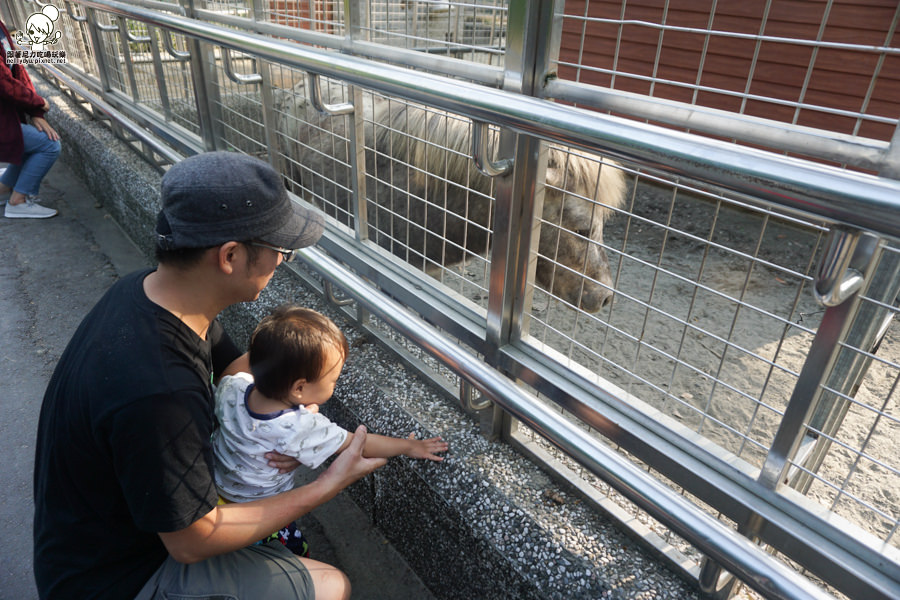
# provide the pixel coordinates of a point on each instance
(296, 356)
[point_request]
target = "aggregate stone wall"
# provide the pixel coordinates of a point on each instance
(485, 523)
(123, 182)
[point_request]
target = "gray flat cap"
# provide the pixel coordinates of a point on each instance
(217, 197)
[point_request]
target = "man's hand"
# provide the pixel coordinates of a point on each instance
(351, 465)
(284, 464)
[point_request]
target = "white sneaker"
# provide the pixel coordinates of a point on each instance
(29, 209)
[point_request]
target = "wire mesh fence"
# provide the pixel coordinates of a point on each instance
(831, 65)
(710, 319)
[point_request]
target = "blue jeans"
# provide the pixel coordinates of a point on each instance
(40, 154)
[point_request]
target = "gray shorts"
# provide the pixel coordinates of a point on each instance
(265, 571)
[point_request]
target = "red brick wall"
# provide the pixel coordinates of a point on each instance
(303, 14)
(840, 79)
(293, 13)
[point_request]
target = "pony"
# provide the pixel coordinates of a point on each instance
(429, 205)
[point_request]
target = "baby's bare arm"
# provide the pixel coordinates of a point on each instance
(382, 446)
(426, 449)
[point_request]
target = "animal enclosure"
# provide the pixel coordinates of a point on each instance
(427, 202)
(670, 247)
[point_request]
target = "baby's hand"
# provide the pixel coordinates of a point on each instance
(426, 449)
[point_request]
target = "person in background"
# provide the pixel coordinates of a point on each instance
(29, 148)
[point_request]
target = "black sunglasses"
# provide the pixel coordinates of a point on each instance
(287, 253)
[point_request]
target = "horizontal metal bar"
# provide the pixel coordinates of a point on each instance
(759, 570)
(481, 73)
(744, 36)
(115, 115)
(157, 5)
(822, 191)
(738, 94)
(863, 153)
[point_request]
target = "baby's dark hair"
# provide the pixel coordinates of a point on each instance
(291, 344)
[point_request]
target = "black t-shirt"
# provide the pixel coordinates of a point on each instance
(123, 448)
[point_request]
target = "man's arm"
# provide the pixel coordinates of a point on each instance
(233, 526)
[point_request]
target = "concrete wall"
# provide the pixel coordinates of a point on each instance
(485, 523)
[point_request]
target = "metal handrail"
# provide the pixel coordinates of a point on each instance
(842, 148)
(315, 97)
(861, 152)
(481, 73)
(483, 163)
(727, 547)
(115, 115)
(859, 200)
(241, 79)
